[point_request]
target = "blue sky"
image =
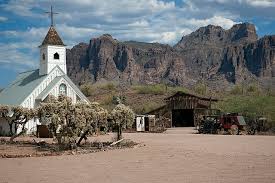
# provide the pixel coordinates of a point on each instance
(23, 23)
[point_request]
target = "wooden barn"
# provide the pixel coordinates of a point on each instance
(185, 109)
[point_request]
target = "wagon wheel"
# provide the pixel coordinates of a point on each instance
(234, 130)
(245, 131)
(221, 131)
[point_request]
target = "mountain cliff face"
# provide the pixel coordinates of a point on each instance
(131, 62)
(218, 57)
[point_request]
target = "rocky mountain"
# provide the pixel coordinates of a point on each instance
(220, 58)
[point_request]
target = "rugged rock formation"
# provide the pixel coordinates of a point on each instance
(218, 57)
(131, 62)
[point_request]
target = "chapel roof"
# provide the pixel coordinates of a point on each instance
(52, 38)
(26, 82)
(47, 90)
(21, 88)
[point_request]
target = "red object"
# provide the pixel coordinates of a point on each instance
(228, 120)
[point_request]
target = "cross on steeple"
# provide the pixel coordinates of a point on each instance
(51, 13)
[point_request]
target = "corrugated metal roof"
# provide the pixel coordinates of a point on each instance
(23, 85)
(26, 82)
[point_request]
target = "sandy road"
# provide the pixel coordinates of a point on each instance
(175, 156)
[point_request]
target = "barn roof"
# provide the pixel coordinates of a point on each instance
(182, 93)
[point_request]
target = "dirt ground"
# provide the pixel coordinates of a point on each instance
(174, 156)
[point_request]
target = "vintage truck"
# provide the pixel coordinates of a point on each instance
(227, 123)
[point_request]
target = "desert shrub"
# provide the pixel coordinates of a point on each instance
(177, 88)
(87, 89)
(157, 89)
(237, 90)
(122, 118)
(253, 88)
(201, 89)
(118, 99)
(145, 108)
(250, 106)
(108, 86)
(107, 99)
(17, 117)
(269, 91)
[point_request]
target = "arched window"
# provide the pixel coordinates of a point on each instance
(43, 56)
(56, 56)
(62, 89)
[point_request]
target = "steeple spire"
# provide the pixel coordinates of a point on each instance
(52, 37)
(52, 50)
(51, 13)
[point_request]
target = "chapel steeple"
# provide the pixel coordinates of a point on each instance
(52, 38)
(52, 50)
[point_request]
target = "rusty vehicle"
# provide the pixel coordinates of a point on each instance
(209, 124)
(227, 123)
(233, 123)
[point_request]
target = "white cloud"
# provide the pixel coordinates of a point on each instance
(70, 32)
(3, 19)
(256, 3)
(12, 56)
(261, 3)
(144, 20)
(139, 23)
(243, 8)
(140, 20)
(216, 20)
(168, 37)
(23, 8)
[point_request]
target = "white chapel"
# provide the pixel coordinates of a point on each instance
(32, 87)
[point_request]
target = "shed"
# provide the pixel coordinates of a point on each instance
(145, 122)
(185, 109)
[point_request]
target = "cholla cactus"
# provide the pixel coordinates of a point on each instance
(123, 117)
(67, 121)
(90, 116)
(16, 116)
(21, 117)
(59, 115)
(101, 114)
(4, 111)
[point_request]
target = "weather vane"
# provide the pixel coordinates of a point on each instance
(51, 13)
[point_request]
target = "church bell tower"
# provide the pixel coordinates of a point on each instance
(52, 51)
